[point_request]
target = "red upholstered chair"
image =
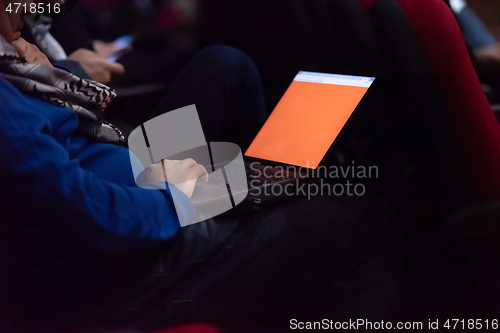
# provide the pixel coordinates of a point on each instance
(473, 126)
(472, 117)
(195, 328)
(367, 3)
(477, 130)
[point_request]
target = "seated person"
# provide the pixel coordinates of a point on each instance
(484, 45)
(142, 64)
(83, 247)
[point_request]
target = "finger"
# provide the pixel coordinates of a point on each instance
(199, 172)
(104, 78)
(115, 68)
(30, 58)
(38, 60)
(42, 59)
(187, 188)
(20, 47)
(33, 53)
(188, 163)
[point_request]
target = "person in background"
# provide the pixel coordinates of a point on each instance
(141, 62)
(483, 43)
(483, 47)
(77, 54)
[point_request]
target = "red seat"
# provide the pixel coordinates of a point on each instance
(473, 119)
(478, 132)
(367, 3)
(475, 128)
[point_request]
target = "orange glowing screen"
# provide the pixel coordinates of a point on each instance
(308, 118)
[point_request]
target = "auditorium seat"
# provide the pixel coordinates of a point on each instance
(464, 140)
(195, 328)
(478, 132)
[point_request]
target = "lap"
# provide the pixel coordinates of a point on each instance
(327, 255)
(226, 88)
(323, 255)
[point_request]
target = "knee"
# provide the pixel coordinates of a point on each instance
(233, 61)
(226, 56)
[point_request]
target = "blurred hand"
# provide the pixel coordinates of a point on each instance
(488, 54)
(96, 67)
(104, 50)
(182, 174)
(31, 52)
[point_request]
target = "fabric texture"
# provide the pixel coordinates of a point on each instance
(87, 98)
(6, 48)
(45, 157)
(71, 66)
(68, 202)
(328, 257)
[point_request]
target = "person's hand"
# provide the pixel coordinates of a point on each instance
(96, 67)
(31, 52)
(488, 54)
(182, 174)
(105, 50)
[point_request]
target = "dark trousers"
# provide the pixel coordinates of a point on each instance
(225, 85)
(329, 257)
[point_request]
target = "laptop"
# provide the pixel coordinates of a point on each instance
(299, 133)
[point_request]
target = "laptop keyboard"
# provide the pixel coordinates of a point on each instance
(251, 177)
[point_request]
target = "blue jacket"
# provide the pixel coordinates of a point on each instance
(68, 208)
(55, 178)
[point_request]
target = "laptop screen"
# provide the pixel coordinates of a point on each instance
(308, 118)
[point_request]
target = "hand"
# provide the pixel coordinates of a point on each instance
(31, 52)
(104, 50)
(96, 67)
(488, 54)
(182, 174)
